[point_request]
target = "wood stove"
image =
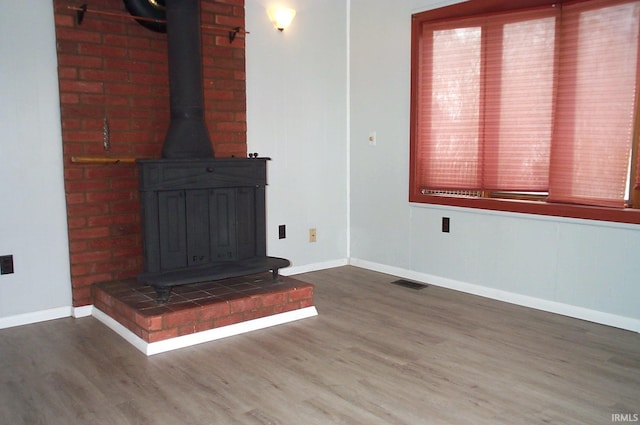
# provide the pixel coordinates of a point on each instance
(203, 218)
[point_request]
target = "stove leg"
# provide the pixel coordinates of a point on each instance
(163, 293)
(274, 273)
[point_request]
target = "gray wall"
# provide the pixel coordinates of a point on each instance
(297, 115)
(33, 223)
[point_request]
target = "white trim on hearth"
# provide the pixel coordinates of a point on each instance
(205, 336)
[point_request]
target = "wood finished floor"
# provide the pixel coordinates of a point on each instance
(376, 354)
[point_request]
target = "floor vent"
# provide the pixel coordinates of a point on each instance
(409, 284)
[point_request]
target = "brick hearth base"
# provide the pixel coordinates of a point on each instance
(199, 307)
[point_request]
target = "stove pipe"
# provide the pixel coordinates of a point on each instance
(187, 136)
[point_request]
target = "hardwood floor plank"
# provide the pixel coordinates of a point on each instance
(376, 354)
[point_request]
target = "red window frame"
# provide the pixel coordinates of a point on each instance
(630, 214)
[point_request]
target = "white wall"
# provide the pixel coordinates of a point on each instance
(575, 267)
(297, 115)
(33, 223)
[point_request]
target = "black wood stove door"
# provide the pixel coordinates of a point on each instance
(202, 226)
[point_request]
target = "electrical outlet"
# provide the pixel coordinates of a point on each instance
(282, 231)
(6, 264)
(445, 224)
(312, 235)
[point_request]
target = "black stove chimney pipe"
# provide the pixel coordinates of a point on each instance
(187, 136)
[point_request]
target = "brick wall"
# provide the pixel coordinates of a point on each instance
(115, 68)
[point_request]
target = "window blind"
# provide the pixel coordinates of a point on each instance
(595, 112)
(530, 101)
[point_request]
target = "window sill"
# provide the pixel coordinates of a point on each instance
(626, 215)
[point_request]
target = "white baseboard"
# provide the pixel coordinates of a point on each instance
(205, 336)
(290, 271)
(35, 317)
(82, 311)
(582, 313)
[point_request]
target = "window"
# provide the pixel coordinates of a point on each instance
(527, 110)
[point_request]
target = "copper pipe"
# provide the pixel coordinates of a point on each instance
(102, 159)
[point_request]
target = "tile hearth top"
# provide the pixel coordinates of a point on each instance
(142, 298)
